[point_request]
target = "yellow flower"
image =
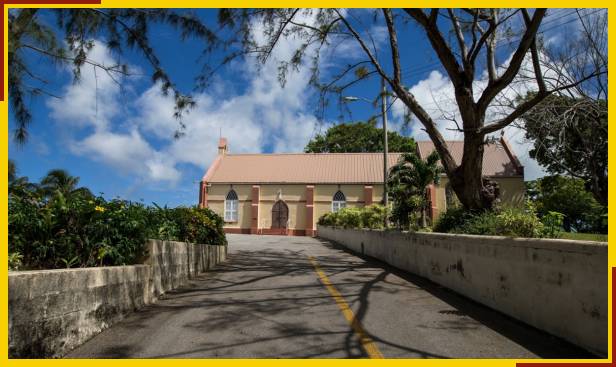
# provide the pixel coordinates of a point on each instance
(99, 209)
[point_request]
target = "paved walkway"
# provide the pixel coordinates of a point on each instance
(288, 297)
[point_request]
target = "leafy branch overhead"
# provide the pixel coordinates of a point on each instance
(474, 46)
(123, 29)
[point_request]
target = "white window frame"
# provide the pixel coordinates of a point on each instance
(231, 207)
(338, 204)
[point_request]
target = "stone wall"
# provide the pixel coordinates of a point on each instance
(53, 311)
(559, 286)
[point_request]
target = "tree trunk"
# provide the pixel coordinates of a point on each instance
(467, 180)
(423, 217)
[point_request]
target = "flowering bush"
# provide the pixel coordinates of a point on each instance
(80, 230)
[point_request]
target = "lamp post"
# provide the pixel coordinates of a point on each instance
(385, 148)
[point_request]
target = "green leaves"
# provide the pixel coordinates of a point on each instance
(81, 231)
(407, 182)
(511, 222)
(358, 137)
(372, 217)
(569, 196)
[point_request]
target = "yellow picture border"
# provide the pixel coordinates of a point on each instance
(4, 361)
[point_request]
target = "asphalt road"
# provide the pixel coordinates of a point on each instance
(268, 300)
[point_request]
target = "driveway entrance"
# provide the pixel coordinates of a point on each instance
(299, 297)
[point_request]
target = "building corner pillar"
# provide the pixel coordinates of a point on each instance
(433, 207)
(368, 192)
(310, 211)
(202, 194)
(254, 207)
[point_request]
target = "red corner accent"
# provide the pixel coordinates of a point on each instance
(255, 200)
(432, 197)
(368, 190)
(203, 194)
(309, 210)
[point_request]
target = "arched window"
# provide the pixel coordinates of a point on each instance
(231, 207)
(339, 201)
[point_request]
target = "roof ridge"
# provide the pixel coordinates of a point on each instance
(348, 153)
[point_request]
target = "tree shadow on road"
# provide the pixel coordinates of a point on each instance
(270, 303)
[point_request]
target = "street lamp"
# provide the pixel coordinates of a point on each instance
(384, 114)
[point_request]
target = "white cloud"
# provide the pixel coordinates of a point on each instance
(436, 95)
(136, 135)
(92, 100)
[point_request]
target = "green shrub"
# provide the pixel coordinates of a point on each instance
(516, 222)
(199, 225)
(372, 217)
(512, 222)
(453, 217)
(349, 218)
(83, 230)
(553, 224)
(328, 219)
(15, 260)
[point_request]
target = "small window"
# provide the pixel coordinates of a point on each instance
(339, 201)
(231, 207)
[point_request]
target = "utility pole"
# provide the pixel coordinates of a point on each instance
(385, 149)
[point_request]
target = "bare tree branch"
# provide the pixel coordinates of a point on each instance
(393, 42)
(516, 61)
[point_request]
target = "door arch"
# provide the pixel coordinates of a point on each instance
(280, 215)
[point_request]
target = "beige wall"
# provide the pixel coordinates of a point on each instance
(512, 190)
(54, 311)
(216, 201)
(294, 195)
(560, 286)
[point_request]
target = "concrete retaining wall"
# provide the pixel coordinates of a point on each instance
(559, 286)
(54, 311)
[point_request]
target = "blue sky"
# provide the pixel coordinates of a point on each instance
(119, 140)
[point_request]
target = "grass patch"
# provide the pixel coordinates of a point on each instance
(584, 236)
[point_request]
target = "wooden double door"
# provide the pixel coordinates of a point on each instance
(280, 215)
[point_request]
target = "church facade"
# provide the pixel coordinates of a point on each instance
(285, 194)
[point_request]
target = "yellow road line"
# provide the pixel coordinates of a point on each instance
(366, 342)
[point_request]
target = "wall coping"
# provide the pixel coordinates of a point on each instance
(143, 263)
(71, 270)
(586, 247)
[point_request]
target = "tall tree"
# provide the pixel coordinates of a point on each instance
(475, 36)
(358, 137)
(60, 181)
(567, 195)
(570, 137)
(70, 43)
(569, 128)
(408, 180)
(12, 168)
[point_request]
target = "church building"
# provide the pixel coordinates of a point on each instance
(286, 193)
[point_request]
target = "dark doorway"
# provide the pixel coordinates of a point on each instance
(280, 215)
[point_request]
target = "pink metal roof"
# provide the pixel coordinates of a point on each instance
(336, 168)
(498, 159)
(301, 168)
